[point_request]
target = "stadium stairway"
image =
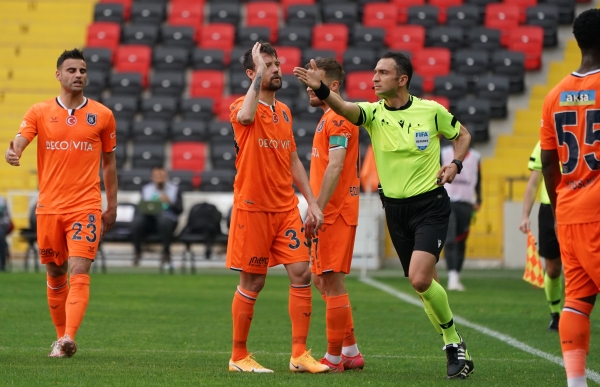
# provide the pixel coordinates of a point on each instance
(32, 35)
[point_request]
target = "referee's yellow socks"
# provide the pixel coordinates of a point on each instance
(553, 289)
(436, 300)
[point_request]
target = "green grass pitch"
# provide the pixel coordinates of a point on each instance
(145, 329)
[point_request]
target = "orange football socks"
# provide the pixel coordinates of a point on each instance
(336, 316)
(300, 309)
(57, 291)
(574, 330)
(242, 311)
(77, 302)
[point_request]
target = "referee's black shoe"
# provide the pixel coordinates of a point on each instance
(555, 318)
(459, 361)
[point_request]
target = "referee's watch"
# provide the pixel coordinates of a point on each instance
(458, 165)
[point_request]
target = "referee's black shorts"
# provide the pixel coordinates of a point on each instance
(547, 241)
(418, 223)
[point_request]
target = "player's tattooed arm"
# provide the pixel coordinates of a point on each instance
(257, 83)
(247, 111)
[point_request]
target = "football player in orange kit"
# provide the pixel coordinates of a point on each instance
(266, 227)
(74, 134)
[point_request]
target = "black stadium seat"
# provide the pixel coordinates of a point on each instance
(312, 53)
(139, 34)
(223, 12)
(304, 131)
(96, 82)
(464, 16)
(147, 13)
(423, 15)
(169, 83)
(290, 86)
(97, 58)
(512, 65)
(452, 87)
(360, 59)
(208, 59)
(474, 114)
(545, 16)
(368, 37)
(220, 132)
(481, 38)
(177, 36)
(416, 85)
(125, 84)
(472, 64)
(170, 58)
(448, 37)
(237, 58)
(301, 110)
(495, 89)
(188, 130)
(222, 156)
(295, 36)
(182, 179)
(123, 107)
(134, 179)
(150, 132)
(305, 15)
(247, 36)
(239, 82)
(108, 12)
(196, 109)
(159, 107)
(123, 130)
(217, 180)
(148, 155)
(343, 13)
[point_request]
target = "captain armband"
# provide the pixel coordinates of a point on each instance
(338, 141)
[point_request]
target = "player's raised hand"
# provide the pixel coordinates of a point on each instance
(259, 62)
(313, 221)
(11, 155)
(446, 174)
(310, 77)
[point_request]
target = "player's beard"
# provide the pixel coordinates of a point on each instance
(273, 86)
(315, 102)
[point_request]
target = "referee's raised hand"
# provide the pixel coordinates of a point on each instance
(310, 77)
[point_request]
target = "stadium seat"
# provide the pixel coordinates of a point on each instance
(495, 89)
(188, 130)
(409, 38)
(222, 156)
(134, 58)
(264, 14)
(218, 35)
(126, 6)
(208, 59)
(472, 64)
(545, 16)
(382, 15)
(148, 155)
(147, 13)
(304, 131)
(109, 12)
(359, 86)
(217, 180)
(177, 36)
(290, 86)
(289, 57)
(424, 15)
(340, 13)
(448, 37)
(139, 34)
(161, 108)
(134, 179)
(170, 58)
(504, 17)
(188, 155)
(96, 82)
(222, 12)
(311, 53)
(430, 63)
(360, 59)
(239, 82)
(474, 114)
(236, 63)
(225, 106)
(452, 87)
(368, 37)
(566, 10)
(296, 36)
(522, 5)
(286, 4)
(123, 130)
(248, 36)
(402, 7)
(481, 38)
(127, 83)
(123, 107)
(512, 65)
(443, 6)
(301, 110)
(187, 181)
(207, 83)
(186, 14)
(416, 85)
(304, 154)
(331, 37)
(103, 34)
(220, 132)
(464, 16)
(150, 131)
(201, 109)
(121, 155)
(530, 41)
(302, 15)
(98, 58)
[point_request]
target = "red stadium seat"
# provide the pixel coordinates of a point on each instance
(444, 101)
(289, 57)
(403, 6)
(409, 38)
(103, 34)
(530, 41)
(217, 35)
(331, 36)
(383, 15)
(134, 58)
(430, 63)
(359, 85)
(224, 106)
(264, 14)
(207, 83)
(186, 14)
(126, 6)
(523, 5)
(504, 17)
(188, 156)
(285, 4)
(443, 7)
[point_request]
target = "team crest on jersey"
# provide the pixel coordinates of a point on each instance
(285, 116)
(71, 120)
(577, 98)
(320, 127)
(275, 118)
(91, 119)
(422, 140)
(92, 218)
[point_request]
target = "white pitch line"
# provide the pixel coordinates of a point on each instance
(592, 375)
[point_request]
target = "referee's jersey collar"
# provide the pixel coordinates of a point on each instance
(403, 107)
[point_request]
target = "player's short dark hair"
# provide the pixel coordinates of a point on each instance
(73, 54)
(403, 64)
(332, 68)
(265, 47)
(586, 29)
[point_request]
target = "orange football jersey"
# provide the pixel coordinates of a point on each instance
(571, 124)
(70, 146)
(263, 159)
(335, 132)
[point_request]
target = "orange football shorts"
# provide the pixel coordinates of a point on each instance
(331, 250)
(61, 236)
(580, 255)
(259, 240)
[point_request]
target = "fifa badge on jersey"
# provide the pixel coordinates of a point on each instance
(92, 218)
(320, 127)
(91, 119)
(422, 140)
(285, 116)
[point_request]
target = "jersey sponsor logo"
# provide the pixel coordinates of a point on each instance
(48, 253)
(275, 118)
(71, 120)
(338, 123)
(259, 261)
(53, 120)
(422, 140)
(314, 153)
(320, 127)
(578, 98)
(113, 135)
(274, 143)
(69, 145)
(574, 185)
(285, 116)
(91, 119)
